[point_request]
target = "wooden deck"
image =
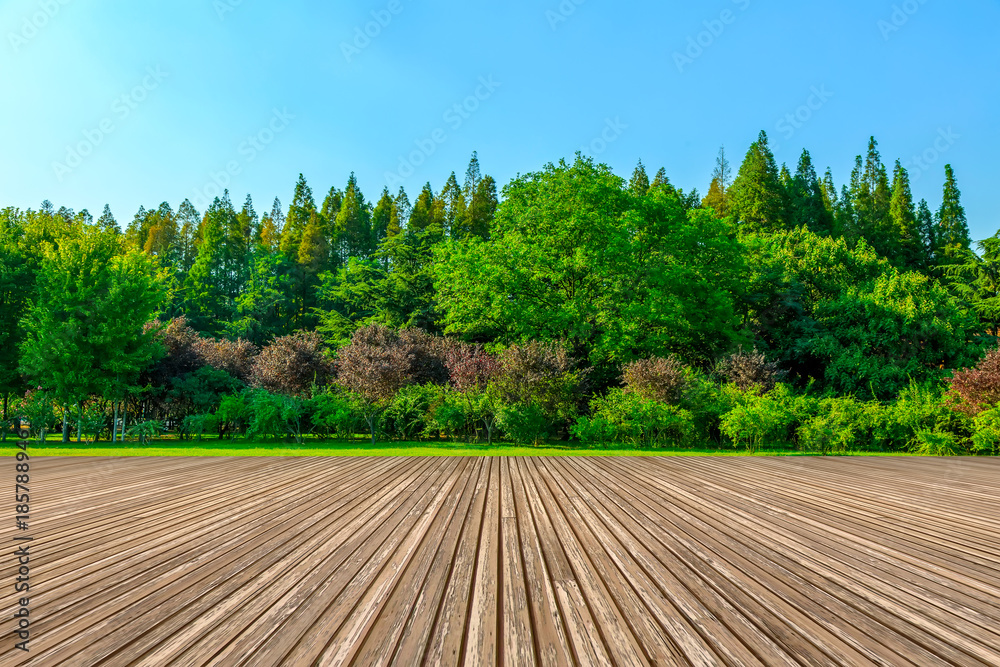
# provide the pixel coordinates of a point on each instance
(700, 561)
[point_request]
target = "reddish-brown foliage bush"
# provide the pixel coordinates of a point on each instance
(750, 370)
(290, 365)
(656, 379)
(471, 367)
(235, 357)
(974, 390)
(374, 364)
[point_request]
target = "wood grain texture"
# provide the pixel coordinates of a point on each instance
(511, 561)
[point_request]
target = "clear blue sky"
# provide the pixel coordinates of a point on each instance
(224, 66)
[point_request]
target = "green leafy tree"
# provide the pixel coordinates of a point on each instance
(573, 256)
(85, 331)
(806, 202)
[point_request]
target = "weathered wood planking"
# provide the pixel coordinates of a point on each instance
(512, 561)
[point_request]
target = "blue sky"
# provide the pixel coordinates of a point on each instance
(131, 103)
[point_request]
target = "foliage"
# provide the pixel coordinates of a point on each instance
(749, 371)
(628, 417)
(935, 443)
(840, 425)
(575, 256)
(146, 430)
(762, 419)
(291, 365)
(973, 390)
(656, 379)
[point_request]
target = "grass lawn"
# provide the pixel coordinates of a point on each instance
(167, 447)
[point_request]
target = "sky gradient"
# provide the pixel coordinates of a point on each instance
(132, 104)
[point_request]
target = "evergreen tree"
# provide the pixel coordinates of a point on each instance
(270, 228)
(353, 225)
(188, 237)
(161, 234)
(314, 250)
(639, 185)
(303, 206)
(928, 234)
(904, 220)
(871, 198)
(953, 239)
(830, 201)
(207, 302)
(660, 180)
(107, 220)
(422, 219)
(718, 192)
(806, 202)
(485, 209)
(382, 217)
(455, 212)
(757, 197)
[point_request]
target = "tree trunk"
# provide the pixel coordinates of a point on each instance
(114, 425)
(3, 436)
(65, 432)
(79, 423)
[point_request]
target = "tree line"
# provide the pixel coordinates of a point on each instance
(556, 312)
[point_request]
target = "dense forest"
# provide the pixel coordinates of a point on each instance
(575, 304)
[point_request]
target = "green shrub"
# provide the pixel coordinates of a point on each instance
(524, 423)
(146, 430)
(839, 425)
(986, 432)
(409, 414)
(338, 413)
(626, 417)
(757, 420)
(928, 442)
(199, 424)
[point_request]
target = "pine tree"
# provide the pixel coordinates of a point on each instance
(952, 227)
(403, 208)
(303, 206)
(871, 198)
(382, 217)
(806, 202)
(928, 234)
(660, 180)
(187, 238)
(314, 250)
(481, 216)
(757, 197)
(456, 214)
(206, 304)
(830, 201)
(904, 221)
(353, 225)
(107, 220)
(639, 185)
(270, 228)
(718, 192)
(422, 217)
(137, 230)
(715, 199)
